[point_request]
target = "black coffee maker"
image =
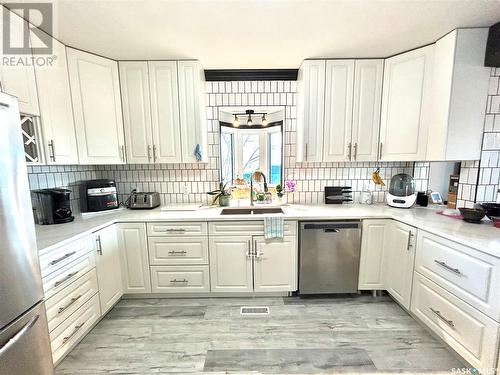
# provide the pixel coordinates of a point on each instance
(51, 206)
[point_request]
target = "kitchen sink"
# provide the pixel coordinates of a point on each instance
(251, 211)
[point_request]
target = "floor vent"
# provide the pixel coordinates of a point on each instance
(255, 310)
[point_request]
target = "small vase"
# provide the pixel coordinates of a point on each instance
(224, 200)
(281, 199)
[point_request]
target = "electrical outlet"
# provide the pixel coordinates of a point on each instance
(186, 189)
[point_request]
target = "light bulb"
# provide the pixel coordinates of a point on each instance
(236, 121)
(264, 120)
(249, 121)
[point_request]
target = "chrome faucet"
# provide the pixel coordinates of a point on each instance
(259, 176)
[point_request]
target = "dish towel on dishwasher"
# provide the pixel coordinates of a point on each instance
(274, 227)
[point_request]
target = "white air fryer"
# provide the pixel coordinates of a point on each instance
(401, 191)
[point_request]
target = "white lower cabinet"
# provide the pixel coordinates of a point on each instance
(180, 279)
(469, 332)
(399, 256)
(253, 264)
(134, 260)
(108, 267)
(373, 244)
(65, 337)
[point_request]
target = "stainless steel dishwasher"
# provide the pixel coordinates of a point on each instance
(329, 256)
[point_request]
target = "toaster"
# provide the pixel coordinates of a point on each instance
(144, 200)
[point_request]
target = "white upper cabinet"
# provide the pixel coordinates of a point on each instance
(165, 111)
(338, 110)
(406, 103)
(310, 110)
(368, 75)
(18, 80)
(95, 92)
(192, 110)
(56, 110)
(134, 83)
(460, 88)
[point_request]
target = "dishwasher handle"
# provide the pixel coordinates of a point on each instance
(330, 227)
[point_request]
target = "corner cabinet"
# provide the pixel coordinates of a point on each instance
(18, 80)
(95, 94)
(108, 267)
(56, 110)
(406, 104)
(399, 257)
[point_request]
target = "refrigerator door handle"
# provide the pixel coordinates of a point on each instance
(12, 341)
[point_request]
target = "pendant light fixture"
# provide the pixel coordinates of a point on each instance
(264, 120)
(249, 121)
(236, 121)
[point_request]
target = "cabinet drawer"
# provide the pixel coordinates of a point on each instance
(64, 276)
(185, 250)
(56, 258)
(469, 274)
(64, 303)
(177, 229)
(469, 332)
(243, 228)
(63, 338)
(172, 279)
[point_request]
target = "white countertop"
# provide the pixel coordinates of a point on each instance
(483, 237)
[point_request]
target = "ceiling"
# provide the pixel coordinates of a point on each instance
(227, 34)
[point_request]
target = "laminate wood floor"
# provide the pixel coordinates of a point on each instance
(315, 336)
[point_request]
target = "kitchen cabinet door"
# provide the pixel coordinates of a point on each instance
(56, 110)
(231, 264)
(192, 113)
(165, 111)
(406, 105)
(338, 110)
(368, 75)
(275, 264)
(108, 268)
(95, 93)
(134, 83)
(310, 110)
(134, 259)
(19, 80)
(373, 243)
(399, 256)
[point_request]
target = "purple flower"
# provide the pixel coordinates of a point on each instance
(290, 186)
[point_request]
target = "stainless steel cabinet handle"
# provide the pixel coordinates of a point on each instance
(440, 316)
(179, 281)
(149, 153)
(175, 230)
(305, 152)
(447, 267)
(380, 151)
(58, 260)
(410, 235)
(72, 301)
(123, 152)
(68, 276)
(177, 252)
(99, 245)
(154, 153)
(349, 151)
(77, 328)
(355, 155)
(52, 151)
(18, 335)
(249, 251)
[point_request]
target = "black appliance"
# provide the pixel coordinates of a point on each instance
(98, 195)
(338, 194)
(492, 57)
(51, 206)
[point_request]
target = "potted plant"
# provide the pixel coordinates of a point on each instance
(281, 198)
(221, 194)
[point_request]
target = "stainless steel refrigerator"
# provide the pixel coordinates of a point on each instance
(24, 337)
